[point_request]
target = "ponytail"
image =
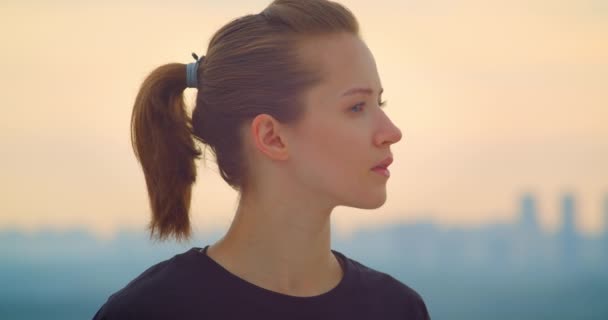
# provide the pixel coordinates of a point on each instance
(252, 66)
(161, 136)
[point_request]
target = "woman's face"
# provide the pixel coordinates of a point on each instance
(344, 132)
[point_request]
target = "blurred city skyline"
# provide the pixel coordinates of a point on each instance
(495, 271)
(526, 222)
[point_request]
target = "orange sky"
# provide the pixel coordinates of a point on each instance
(493, 97)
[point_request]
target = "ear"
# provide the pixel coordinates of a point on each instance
(267, 137)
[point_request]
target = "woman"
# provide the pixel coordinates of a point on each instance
(289, 102)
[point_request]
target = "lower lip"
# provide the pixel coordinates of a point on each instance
(382, 171)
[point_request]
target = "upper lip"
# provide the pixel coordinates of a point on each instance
(384, 163)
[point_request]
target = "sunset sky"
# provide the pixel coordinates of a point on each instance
(494, 98)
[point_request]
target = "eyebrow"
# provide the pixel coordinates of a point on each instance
(354, 91)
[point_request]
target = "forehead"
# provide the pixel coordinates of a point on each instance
(344, 61)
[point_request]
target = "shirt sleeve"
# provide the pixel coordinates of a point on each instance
(99, 315)
(423, 312)
(112, 312)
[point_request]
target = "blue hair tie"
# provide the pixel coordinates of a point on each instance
(192, 71)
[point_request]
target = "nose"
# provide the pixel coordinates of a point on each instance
(388, 134)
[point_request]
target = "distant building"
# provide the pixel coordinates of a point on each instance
(525, 241)
(605, 209)
(528, 217)
(605, 232)
(568, 237)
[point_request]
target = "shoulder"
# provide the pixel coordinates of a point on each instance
(166, 281)
(390, 292)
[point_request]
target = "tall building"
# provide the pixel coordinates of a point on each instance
(526, 242)
(568, 237)
(528, 217)
(605, 231)
(606, 219)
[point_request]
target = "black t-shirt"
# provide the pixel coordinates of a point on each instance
(191, 285)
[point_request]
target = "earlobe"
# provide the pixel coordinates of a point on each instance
(266, 135)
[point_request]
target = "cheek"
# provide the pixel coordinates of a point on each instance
(332, 143)
(334, 153)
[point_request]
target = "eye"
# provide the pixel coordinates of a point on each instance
(381, 104)
(357, 105)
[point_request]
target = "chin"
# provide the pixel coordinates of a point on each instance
(370, 201)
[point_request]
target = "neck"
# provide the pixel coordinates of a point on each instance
(280, 245)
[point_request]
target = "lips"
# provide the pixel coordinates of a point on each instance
(384, 163)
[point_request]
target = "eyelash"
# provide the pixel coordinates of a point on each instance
(382, 104)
